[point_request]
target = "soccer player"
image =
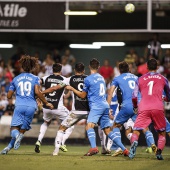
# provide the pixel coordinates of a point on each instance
(80, 108)
(95, 90)
(55, 98)
(25, 86)
(126, 83)
(150, 108)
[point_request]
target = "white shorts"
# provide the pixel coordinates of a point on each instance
(74, 117)
(129, 124)
(60, 113)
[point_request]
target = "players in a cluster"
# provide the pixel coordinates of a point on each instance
(140, 104)
(56, 99)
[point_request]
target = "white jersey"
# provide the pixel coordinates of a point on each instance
(56, 97)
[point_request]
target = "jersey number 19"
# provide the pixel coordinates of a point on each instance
(25, 87)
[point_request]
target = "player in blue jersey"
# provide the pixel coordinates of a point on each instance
(25, 86)
(126, 83)
(95, 90)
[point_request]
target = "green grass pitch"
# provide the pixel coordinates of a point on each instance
(26, 159)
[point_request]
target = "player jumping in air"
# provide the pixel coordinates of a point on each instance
(25, 86)
(150, 108)
(55, 98)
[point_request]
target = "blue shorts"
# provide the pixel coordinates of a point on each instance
(167, 125)
(114, 107)
(99, 115)
(124, 114)
(23, 116)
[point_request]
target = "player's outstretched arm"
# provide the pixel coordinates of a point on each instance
(110, 94)
(54, 88)
(81, 94)
(41, 97)
(9, 94)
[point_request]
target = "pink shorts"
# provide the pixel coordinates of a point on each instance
(145, 118)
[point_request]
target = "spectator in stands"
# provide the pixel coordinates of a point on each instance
(15, 58)
(167, 70)
(160, 69)
(2, 79)
(166, 59)
(132, 68)
(3, 103)
(142, 68)
(2, 66)
(70, 58)
(6, 84)
(131, 56)
(116, 69)
(66, 68)
(9, 108)
(3, 90)
(42, 71)
(153, 48)
(106, 71)
(48, 64)
(37, 55)
(56, 56)
(8, 74)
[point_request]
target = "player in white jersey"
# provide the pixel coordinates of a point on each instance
(56, 98)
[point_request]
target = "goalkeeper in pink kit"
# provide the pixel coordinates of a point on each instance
(150, 108)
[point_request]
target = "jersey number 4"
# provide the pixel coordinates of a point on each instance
(25, 88)
(102, 89)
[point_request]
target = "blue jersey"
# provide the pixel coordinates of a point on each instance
(126, 83)
(95, 87)
(24, 86)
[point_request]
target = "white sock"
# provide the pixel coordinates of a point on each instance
(129, 136)
(102, 137)
(109, 144)
(43, 129)
(66, 135)
(118, 149)
(59, 138)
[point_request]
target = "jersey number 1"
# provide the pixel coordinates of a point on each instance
(150, 84)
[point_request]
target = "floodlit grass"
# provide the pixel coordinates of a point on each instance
(26, 159)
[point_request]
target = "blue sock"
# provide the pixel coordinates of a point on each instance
(92, 137)
(11, 143)
(115, 136)
(14, 133)
(149, 138)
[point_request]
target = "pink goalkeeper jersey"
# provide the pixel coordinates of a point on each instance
(151, 86)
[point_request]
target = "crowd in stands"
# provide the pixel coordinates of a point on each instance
(137, 65)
